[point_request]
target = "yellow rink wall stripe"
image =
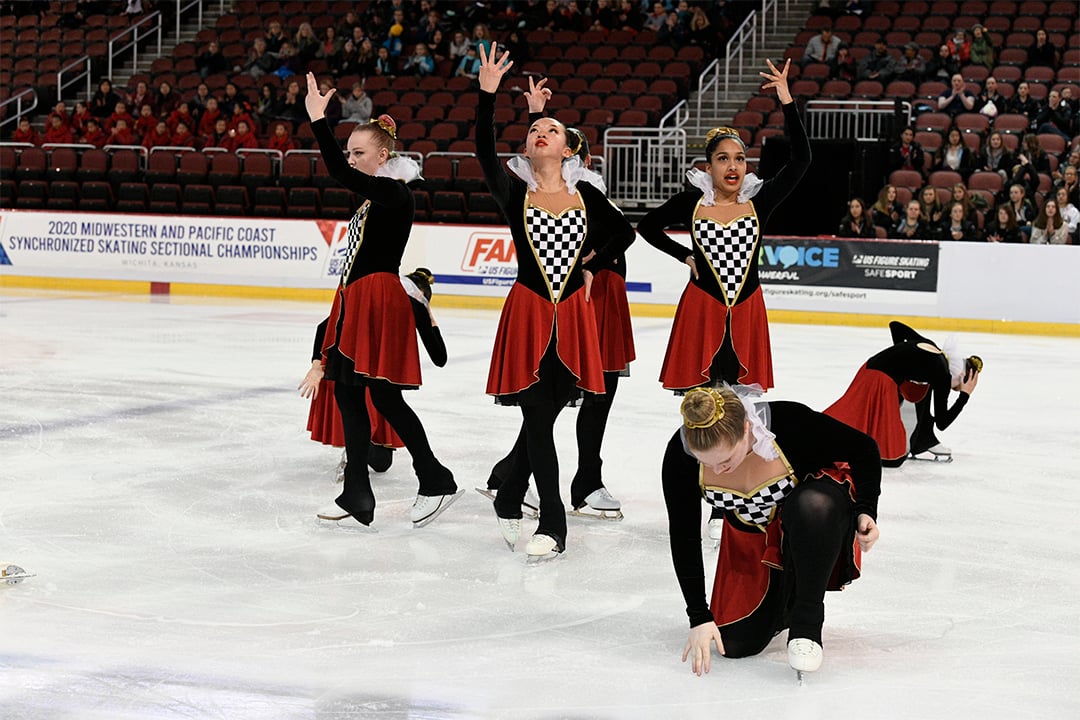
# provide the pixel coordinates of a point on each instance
(473, 302)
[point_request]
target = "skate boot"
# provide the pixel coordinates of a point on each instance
(543, 547)
(13, 575)
(361, 509)
(935, 453)
(380, 457)
(804, 655)
(341, 467)
(511, 530)
(599, 504)
(428, 507)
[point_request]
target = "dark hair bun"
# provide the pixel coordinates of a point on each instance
(423, 279)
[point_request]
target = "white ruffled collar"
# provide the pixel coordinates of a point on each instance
(951, 350)
(757, 414)
(400, 167)
(573, 172)
(704, 182)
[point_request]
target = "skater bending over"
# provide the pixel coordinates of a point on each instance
(799, 494)
(588, 494)
(915, 369)
(324, 420)
(547, 350)
(370, 342)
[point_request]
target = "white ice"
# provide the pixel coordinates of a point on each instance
(156, 474)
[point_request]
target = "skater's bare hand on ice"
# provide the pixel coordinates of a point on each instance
(693, 265)
(971, 379)
(699, 646)
(309, 386)
(868, 533)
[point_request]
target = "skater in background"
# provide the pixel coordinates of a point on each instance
(543, 359)
(721, 330)
(324, 420)
(370, 342)
(588, 494)
(915, 369)
(799, 493)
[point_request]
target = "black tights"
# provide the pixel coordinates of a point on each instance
(357, 497)
(817, 522)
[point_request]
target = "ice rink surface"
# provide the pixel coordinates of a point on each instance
(156, 474)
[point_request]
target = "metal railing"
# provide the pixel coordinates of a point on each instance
(138, 32)
(23, 101)
(76, 70)
(643, 166)
(853, 119)
(183, 6)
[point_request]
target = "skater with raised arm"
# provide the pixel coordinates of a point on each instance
(798, 492)
(589, 497)
(915, 369)
(370, 341)
(547, 350)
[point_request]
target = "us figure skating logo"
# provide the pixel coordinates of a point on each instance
(4, 259)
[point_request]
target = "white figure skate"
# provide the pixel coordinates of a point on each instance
(530, 506)
(541, 548)
(13, 575)
(599, 504)
(716, 531)
(428, 507)
(341, 468)
(937, 453)
(804, 655)
(511, 531)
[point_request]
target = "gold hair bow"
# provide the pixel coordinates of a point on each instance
(388, 128)
(717, 413)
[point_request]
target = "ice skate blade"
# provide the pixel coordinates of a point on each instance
(799, 677)
(931, 457)
(436, 506)
(13, 575)
(332, 513)
(594, 514)
(527, 510)
(353, 525)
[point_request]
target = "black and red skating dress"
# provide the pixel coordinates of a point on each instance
(721, 321)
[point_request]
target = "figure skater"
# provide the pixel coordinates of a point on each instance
(547, 349)
(914, 368)
(370, 341)
(799, 493)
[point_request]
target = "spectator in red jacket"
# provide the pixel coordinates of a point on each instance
(26, 133)
(59, 110)
(121, 134)
(94, 134)
(182, 114)
(157, 137)
(281, 140)
(146, 122)
(183, 137)
(241, 138)
(209, 117)
(120, 113)
(79, 117)
(218, 137)
(58, 132)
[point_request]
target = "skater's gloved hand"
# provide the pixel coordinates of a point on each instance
(309, 386)
(868, 533)
(699, 646)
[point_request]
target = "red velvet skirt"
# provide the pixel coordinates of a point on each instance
(698, 332)
(872, 405)
(745, 559)
(608, 300)
(324, 421)
(525, 331)
(377, 336)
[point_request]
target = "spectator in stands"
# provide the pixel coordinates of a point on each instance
(1055, 117)
(1022, 103)
(385, 66)
(166, 100)
(158, 136)
(1042, 53)
(120, 113)
(133, 7)
(886, 210)
(604, 15)
(104, 101)
(281, 139)
(1002, 228)
(470, 64)
(120, 134)
(912, 226)
(1070, 214)
(199, 99)
(233, 101)
(930, 208)
(703, 33)
(853, 7)
(990, 102)
(182, 114)
(550, 17)
(348, 62)
(628, 17)
(955, 155)
(346, 26)
(266, 103)
(288, 64)
(821, 48)
(274, 36)
(1022, 209)
(982, 48)
(655, 19)
(1070, 183)
(420, 63)
(357, 106)
(241, 138)
(843, 66)
(995, 157)
(674, 33)
(305, 44)
(291, 106)
(482, 37)
(974, 205)
(140, 96)
(518, 47)
(954, 226)
(439, 47)
(878, 65)
(94, 134)
(26, 133)
(459, 46)
(856, 223)
(211, 61)
(1036, 155)
(209, 117)
(956, 99)
(907, 154)
(960, 46)
(183, 137)
(219, 136)
(911, 66)
(260, 61)
(330, 45)
(146, 122)
(942, 66)
(332, 111)
(79, 116)
(1049, 227)
(393, 42)
(59, 110)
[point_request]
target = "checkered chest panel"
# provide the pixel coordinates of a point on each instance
(729, 248)
(355, 236)
(756, 509)
(556, 240)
